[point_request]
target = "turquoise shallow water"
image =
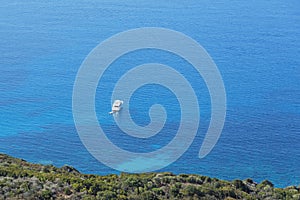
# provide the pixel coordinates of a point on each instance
(254, 44)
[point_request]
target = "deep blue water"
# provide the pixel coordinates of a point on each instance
(255, 44)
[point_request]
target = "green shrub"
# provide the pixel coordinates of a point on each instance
(22, 180)
(46, 194)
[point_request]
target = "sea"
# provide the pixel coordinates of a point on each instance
(255, 45)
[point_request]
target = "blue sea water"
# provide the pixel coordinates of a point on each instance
(255, 44)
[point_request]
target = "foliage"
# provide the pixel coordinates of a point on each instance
(22, 180)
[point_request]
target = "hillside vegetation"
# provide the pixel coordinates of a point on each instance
(22, 180)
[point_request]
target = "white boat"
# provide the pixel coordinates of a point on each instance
(116, 107)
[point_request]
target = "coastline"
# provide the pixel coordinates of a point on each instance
(23, 180)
